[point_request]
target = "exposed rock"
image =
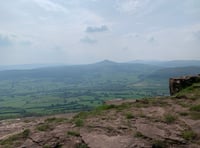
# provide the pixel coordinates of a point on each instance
(153, 111)
(95, 140)
(177, 84)
(193, 124)
(150, 131)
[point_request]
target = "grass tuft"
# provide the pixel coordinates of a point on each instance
(44, 127)
(169, 118)
(159, 144)
(195, 108)
(55, 120)
(189, 135)
(73, 133)
(139, 135)
(184, 113)
(79, 122)
(81, 145)
(129, 116)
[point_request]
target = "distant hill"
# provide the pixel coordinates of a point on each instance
(105, 69)
(26, 66)
(174, 63)
(167, 73)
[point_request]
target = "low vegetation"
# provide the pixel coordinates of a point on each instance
(169, 118)
(139, 135)
(159, 144)
(73, 133)
(195, 108)
(55, 120)
(79, 122)
(44, 127)
(81, 145)
(195, 115)
(189, 135)
(15, 138)
(184, 113)
(129, 116)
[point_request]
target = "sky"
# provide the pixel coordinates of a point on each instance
(87, 31)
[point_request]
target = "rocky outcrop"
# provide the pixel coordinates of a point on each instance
(177, 84)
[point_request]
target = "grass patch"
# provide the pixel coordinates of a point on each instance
(195, 115)
(73, 133)
(191, 92)
(100, 110)
(106, 107)
(158, 102)
(25, 133)
(81, 145)
(44, 127)
(55, 120)
(14, 138)
(183, 104)
(169, 118)
(142, 115)
(129, 116)
(117, 107)
(183, 113)
(159, 144)
(46, 146)
(81, 115)
(189, 135)
(195, 108)
(79, 122)
(139, 135)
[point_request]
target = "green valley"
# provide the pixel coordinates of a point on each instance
(64, 89)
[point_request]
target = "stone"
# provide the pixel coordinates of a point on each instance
(177, 84)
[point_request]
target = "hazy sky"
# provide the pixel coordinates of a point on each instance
(86, 31)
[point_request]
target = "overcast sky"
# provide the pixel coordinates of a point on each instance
(86, 31)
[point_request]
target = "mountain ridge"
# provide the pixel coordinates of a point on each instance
(171, 63)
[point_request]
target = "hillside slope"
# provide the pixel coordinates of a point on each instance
(154, 122)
